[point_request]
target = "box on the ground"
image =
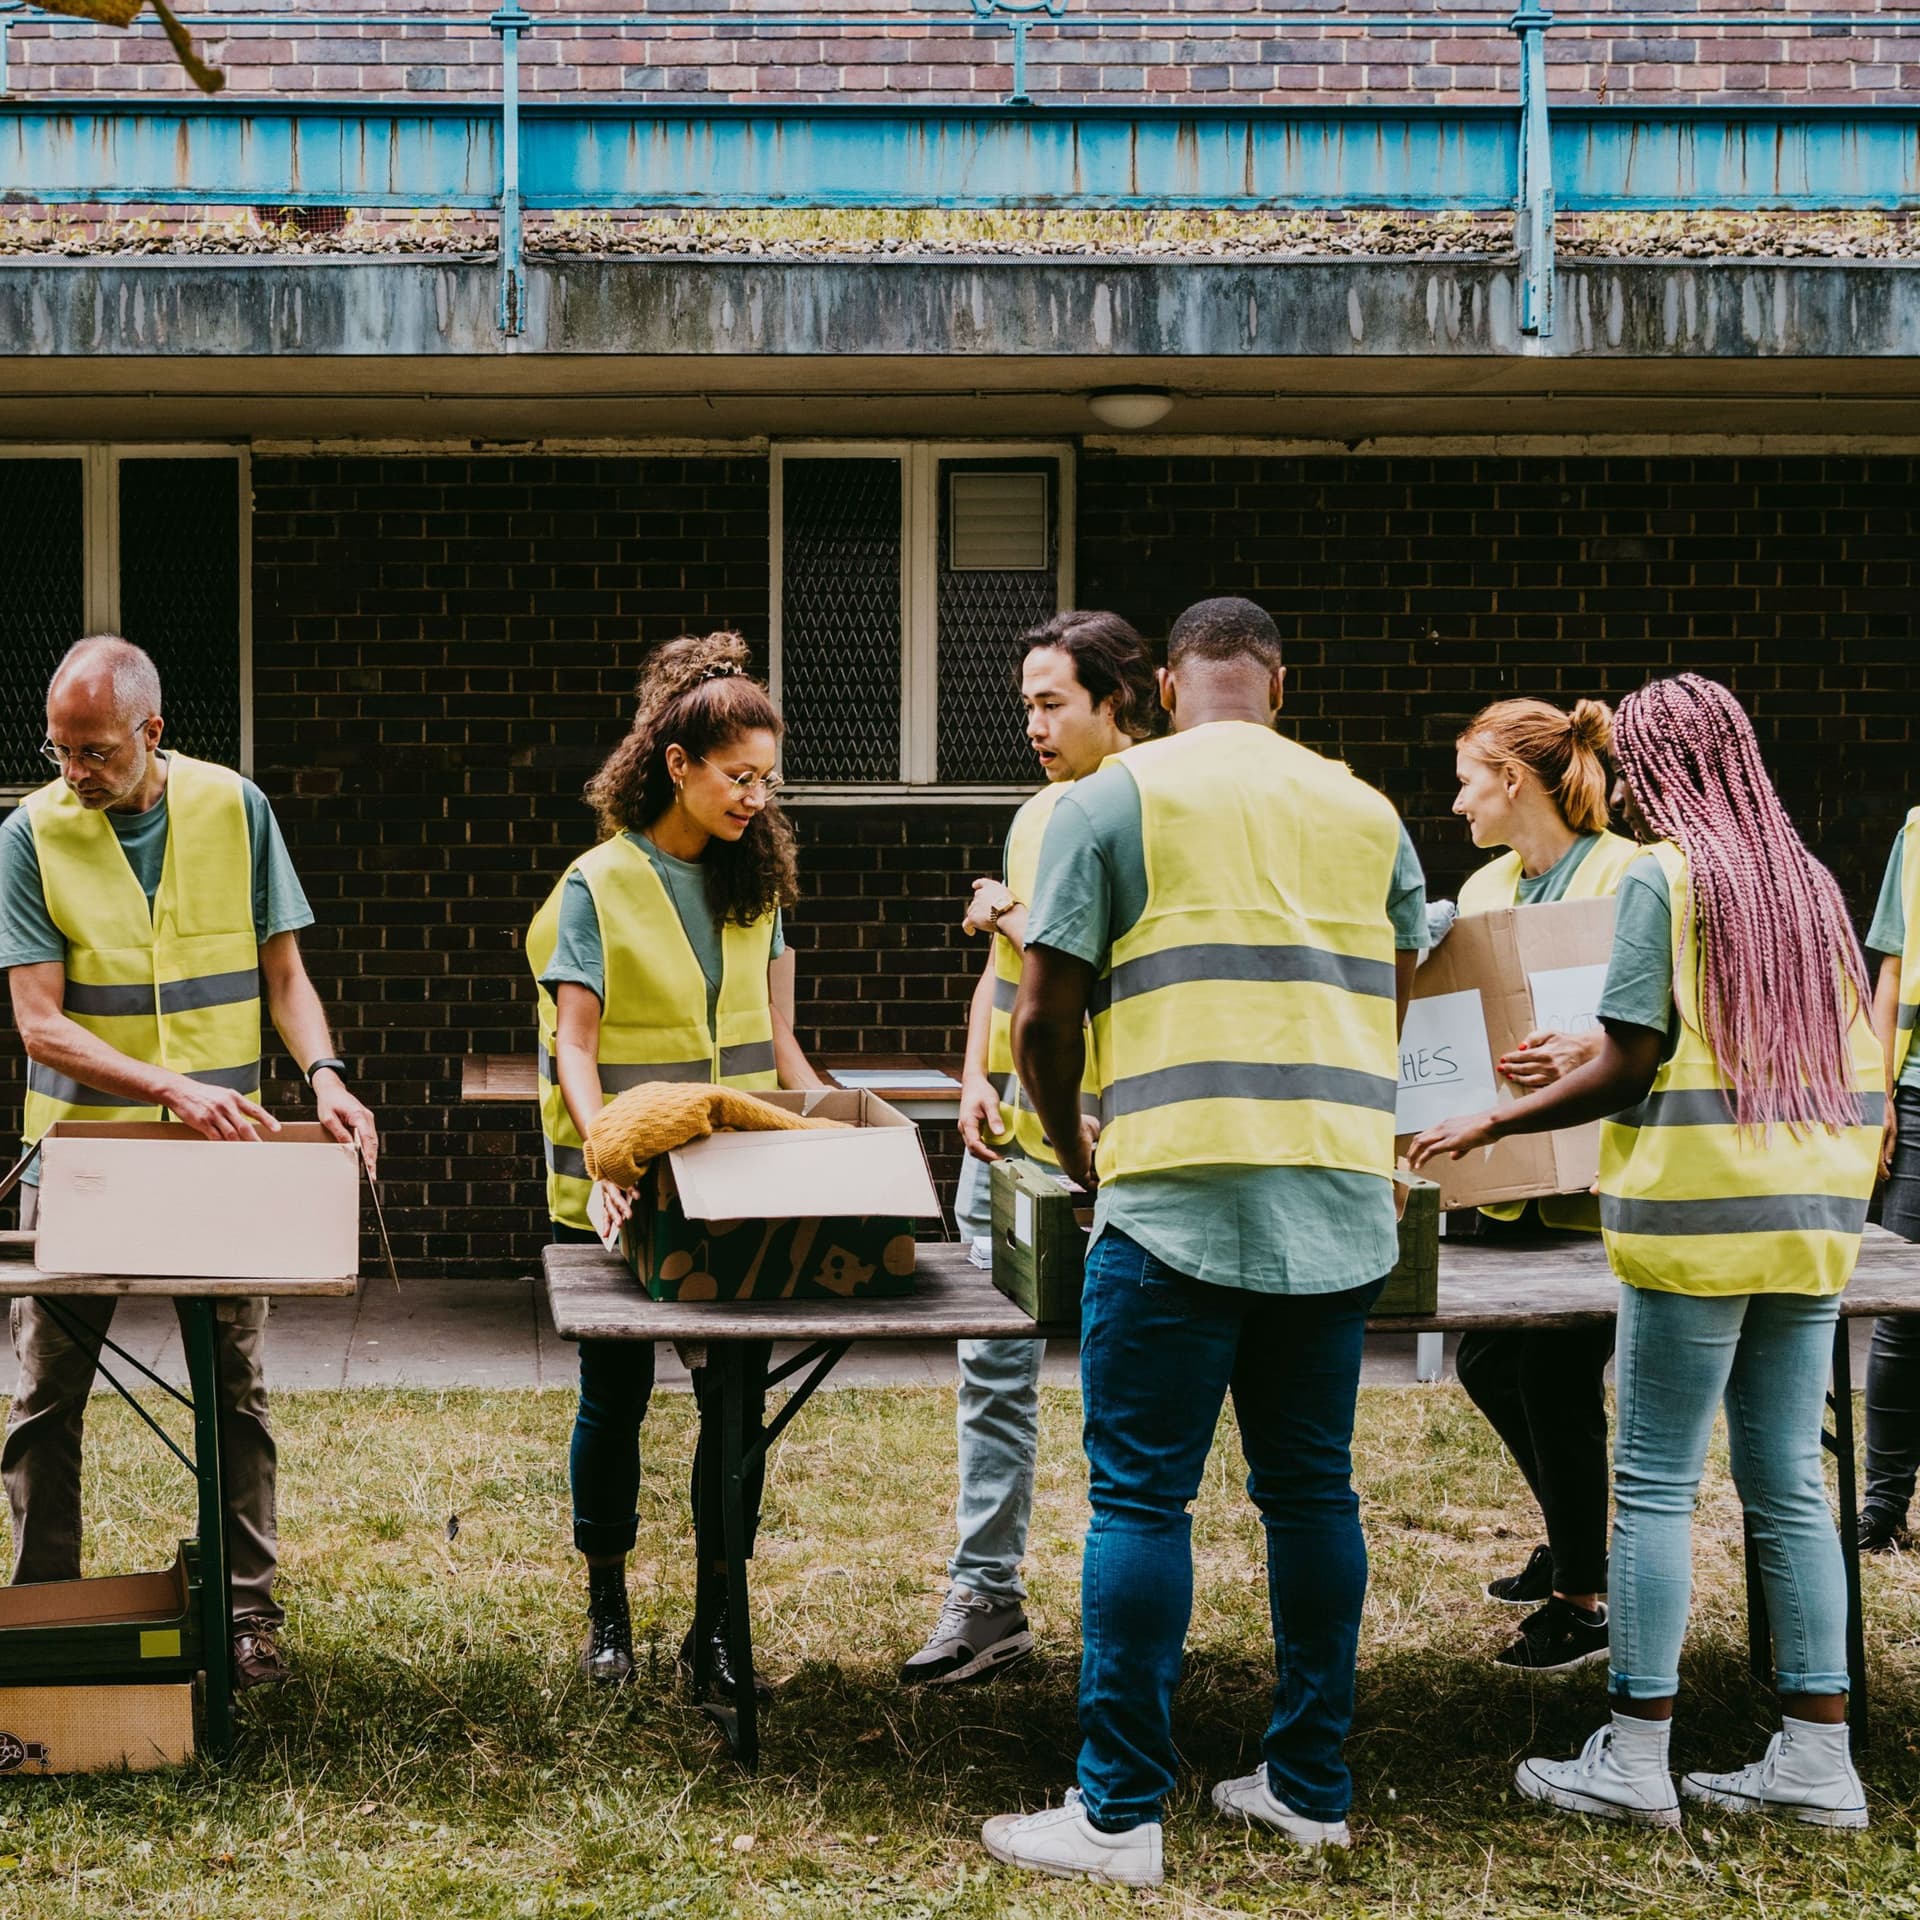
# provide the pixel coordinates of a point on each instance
(94, 1729)
(1414, 1284)
(824, 1213)
(1494, 979)
(141, 1197)
(1040, 1230)
(127, 1627)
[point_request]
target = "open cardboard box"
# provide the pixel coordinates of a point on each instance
(153, 1197)
(1494, 979)
(828, 1212)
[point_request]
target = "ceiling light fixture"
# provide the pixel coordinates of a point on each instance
(1128, 409)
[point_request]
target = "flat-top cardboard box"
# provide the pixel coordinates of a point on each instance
(95, 1729)
(155, 1198)
(1494, 979)
(1040, 1228)
(826, 1213)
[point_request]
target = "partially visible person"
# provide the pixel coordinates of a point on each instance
(1241, 917)
(1742, 1089)
(653, 955)
(147, 906)
(1893, 1367)
(1086, 683)
(1534, 779)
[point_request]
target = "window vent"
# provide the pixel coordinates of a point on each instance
(999, 523)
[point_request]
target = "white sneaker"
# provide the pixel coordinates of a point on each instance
(1806, 1774)
(1065, 1842)
(1250, 1798)
(1616, 1776)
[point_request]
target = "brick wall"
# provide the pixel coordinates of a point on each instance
(1077, 59)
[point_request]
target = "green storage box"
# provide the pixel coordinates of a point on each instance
(1414, 1284)
(1039, 1242)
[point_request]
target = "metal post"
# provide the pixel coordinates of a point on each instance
(1019, 97)
(1533, 226)
(199, 1336)
(510, 23)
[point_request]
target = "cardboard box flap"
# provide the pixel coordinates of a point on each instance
(768, 1176)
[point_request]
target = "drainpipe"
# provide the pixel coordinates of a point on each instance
(1533, 225)
(510, 23)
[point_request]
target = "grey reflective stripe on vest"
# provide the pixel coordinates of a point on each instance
(569, 1162)
(616, 1076)
(1005, 993)
(1707, 1107)
(1248, 1080)
(755, 1056)
(57, 1086)
(1764, 1213)
(175, 996)
(1231, 961)
(105, 1003)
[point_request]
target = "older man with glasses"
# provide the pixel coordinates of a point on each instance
(147, 904)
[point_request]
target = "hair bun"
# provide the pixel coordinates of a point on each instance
(1591, 724)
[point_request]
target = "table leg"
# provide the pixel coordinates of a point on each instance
(216, 1601)
(709, 1533)
(1841, 1442)
(733, 1479)
(1429, 1353)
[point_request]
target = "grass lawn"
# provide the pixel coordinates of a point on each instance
(437, 1753)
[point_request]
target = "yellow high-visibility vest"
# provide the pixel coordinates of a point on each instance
(1247, 1019)
(1688, 1204)
(653, 1022)
(1909, 1013)
(1597, 877)
(1497, 885)
(174, 985)
(1023, 868)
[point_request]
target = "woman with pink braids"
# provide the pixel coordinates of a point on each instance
(1746, 1095)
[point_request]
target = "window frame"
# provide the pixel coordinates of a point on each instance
(920, 510)
(100, 463)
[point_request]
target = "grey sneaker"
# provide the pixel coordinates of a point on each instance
(973, 1636)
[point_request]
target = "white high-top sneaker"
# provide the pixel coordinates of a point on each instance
(1805, 1774)
(1250, 1798)
(1620, 1774)
(1063, 1841)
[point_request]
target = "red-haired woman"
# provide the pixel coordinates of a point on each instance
(652, 958)
(1533, 779)
(1746, 1091)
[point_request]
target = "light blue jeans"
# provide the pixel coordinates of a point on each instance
(999, 1429)
(1769, 1357)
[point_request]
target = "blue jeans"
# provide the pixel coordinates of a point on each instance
(998, 1422)
(1159, 1353)
(1768, 1355)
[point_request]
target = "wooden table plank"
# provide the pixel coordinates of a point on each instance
(500, 1078)
(1551, 1283)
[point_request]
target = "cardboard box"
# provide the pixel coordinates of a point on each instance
(155, 1198)
(129, 1626)
(95, 1729)
(1040, 1229)
(827, 1213)
(1494, 979)
(1414, 1284)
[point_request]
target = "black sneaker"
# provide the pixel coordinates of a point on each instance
(1882, 1530)
(1532, 1585)
(1557, 1639)
(720, 1665)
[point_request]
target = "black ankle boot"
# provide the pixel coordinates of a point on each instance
(721, 1682)
(607, 1658)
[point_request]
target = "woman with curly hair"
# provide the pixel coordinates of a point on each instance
(652, 956)
(1743, 1092)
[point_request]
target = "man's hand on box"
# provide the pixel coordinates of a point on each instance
(1077, 1161)
(1453, 1138)
(1542, 1058)
(345, 1118)
(979, 1116)
(217, 1113)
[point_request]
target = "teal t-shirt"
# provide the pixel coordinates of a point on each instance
(1543, 888)
(1265, 1229)
(1639, 989)
(580, 956)
(1888, 934)
(28, 936)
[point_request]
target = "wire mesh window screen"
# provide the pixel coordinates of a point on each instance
(180, 593)
(840, 618)
(43, 601)
(982, 613)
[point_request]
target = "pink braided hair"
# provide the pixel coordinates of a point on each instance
(1781, 970)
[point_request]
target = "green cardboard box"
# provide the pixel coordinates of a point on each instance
(1039, 1241)
(786, 1216)
(1414, 1284)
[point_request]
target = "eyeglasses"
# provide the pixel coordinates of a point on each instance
(744, 783)
(56, 756)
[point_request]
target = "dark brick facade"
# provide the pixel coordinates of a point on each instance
(443, 649)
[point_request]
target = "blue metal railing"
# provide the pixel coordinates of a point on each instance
(508, 158)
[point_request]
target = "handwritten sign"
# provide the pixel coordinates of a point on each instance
(1445, 1061)
(1566, 999)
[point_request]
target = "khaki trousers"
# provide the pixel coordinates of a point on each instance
(40, 1459)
